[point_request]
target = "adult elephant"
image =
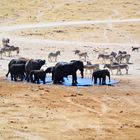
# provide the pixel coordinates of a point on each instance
(16, 61)
(64, 69)
(17, 70)
(101, 75)
(33, 65)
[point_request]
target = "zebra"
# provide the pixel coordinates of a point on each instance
(76, 51)
(53, 55)
(1, 52)
(92, 67)
(126, 57)
(117, 67)
(106, 57)
(122, 52)
(82, 55)
(118, 58)
(5, 41)
(9, 49)
(113, 54)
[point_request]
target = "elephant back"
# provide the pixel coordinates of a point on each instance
(33, 65)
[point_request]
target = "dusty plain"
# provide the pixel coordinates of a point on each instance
(56, 112)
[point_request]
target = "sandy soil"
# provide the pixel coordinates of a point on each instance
(54, 112)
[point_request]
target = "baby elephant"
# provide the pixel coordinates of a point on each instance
(37, 75)
(101, 75)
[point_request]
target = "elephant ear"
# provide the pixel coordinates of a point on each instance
(43, 62)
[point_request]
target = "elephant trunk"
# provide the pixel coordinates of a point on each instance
(82, 73)
(109, 77)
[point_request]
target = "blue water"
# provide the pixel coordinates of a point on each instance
(81, 81)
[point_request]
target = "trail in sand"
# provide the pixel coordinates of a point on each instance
(4, 29)
(57, 24)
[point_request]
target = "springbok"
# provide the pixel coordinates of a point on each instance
(53, 55)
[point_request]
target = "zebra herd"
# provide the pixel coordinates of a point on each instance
(7, 48)
(117, 61)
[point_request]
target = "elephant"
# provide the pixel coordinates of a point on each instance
(38, 75)
(64, 69)
(33, 65)
(101, 75)
(50, 70)
(17, 70)
(16, 61)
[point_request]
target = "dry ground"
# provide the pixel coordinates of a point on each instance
(44, 112)
(25, 11)
(54, 112)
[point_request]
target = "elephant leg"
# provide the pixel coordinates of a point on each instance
(100, 81)
(95, 80)
(44, 81)
(21, 76)
(104, 81)
(37, 80)
(62, 79)
(11, 77)
(56, 79)
(31, 78)
(27, 77)
(74, 79)
(15, 77)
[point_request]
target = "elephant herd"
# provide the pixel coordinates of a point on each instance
(30, 70)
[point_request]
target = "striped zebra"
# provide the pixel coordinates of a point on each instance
(106, 57)
(82, 55)
(53, 55)
(10, 49)
(117, 67)
(1, 52)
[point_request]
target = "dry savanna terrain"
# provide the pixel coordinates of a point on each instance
(57, 112)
